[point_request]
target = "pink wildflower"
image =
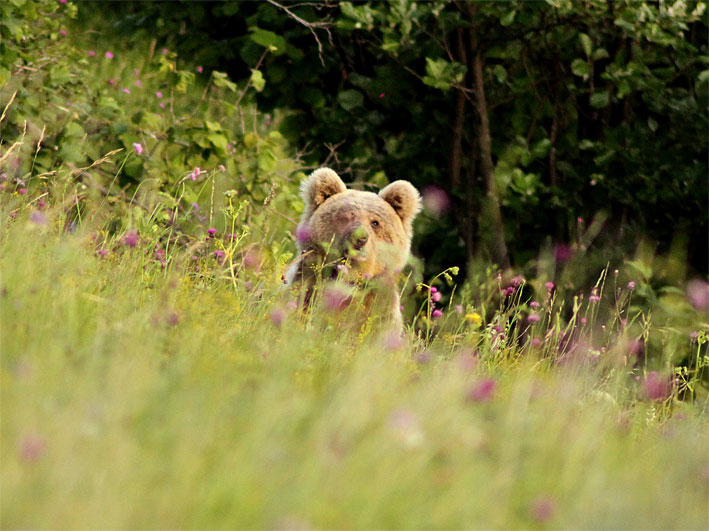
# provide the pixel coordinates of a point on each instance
(138, 148)
(303, 233)
(158, 94)
(549, 285)
(22, 191)
(698, 294)
(277, 317)
(62, 32)
(631, 285)
(211, 231)
(32, 447)
(131, 238)
(542, 509)
(109, 55)
(199, 69)
(482, 391)
(657, 387)
(91, 53)
(138, 83)
(435, 201)
(533, 317)
(437, 313)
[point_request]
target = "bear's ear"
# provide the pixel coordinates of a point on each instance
(320, 185)
(405, 200)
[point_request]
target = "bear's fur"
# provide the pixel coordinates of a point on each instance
(358, 237)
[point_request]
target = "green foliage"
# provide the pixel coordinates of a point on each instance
(155, 373)
(125, 122)
(624, 80)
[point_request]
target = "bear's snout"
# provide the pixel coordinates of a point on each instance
(358, 238)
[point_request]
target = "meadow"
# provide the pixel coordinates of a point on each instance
(155, 373)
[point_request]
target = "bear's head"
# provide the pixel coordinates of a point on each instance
(366, 234)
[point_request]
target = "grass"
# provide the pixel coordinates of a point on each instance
(156, 376)
(137, 397)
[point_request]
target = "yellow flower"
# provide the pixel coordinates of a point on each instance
(473, 318)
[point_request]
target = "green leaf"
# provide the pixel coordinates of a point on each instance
(600, 99)
(442, 74)
(220, 79)
(500, 73)
(268, 39)
(73, 130)
(580, 68)
(586, 44)
(218, 141)
(350, 99)
(600, 53)
(508, 18)
(257, 80)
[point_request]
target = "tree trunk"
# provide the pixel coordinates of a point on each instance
(462, 210)
(499, 250)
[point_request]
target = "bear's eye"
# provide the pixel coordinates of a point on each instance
(375, 223)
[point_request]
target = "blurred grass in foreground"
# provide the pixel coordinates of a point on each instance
(137, 397)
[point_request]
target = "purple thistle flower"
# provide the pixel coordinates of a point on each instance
(563, 253)
(549, 285)
(41, 204)
(131, 238)
(393, 341)
(109, 55)
(32, 447)
(219, 255)
(303, 233)
(542, 509)
(657, 387)
(482, 391)
(435, 201)
(102, 253)
(536, 342)
(533, 317)
(22, 191)
(38, 217)
(277, 316)
(698, 294)
(211, 231)
(62, 32)
(534, 304)
(422, 358)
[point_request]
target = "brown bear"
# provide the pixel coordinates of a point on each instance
(360, 238)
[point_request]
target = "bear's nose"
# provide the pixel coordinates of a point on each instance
(359, 238)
